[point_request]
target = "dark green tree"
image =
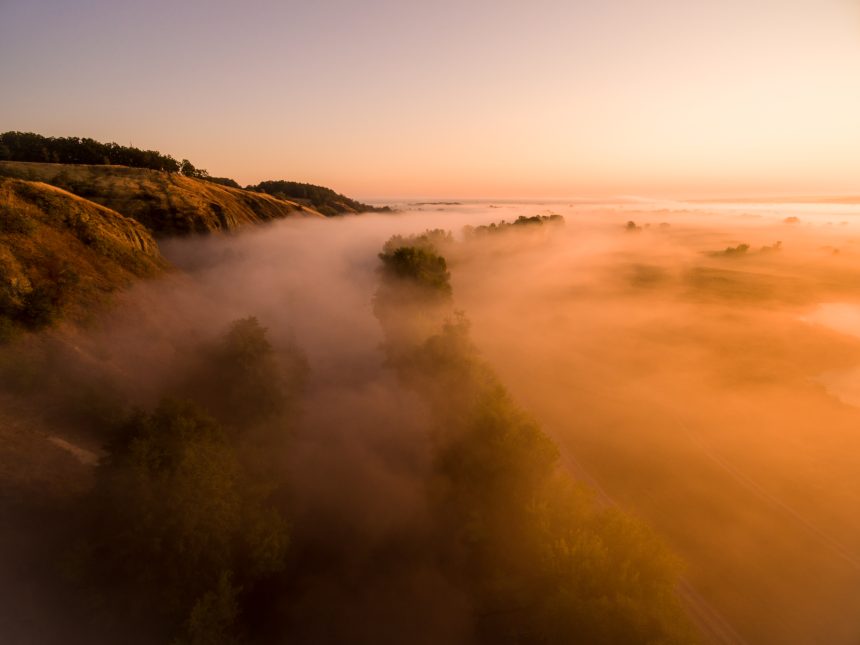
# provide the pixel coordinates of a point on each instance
(177, 532)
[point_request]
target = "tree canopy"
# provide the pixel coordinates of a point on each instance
(185, 515)
(31, 147)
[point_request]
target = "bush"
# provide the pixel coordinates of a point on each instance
(41, 306)
(422, 266)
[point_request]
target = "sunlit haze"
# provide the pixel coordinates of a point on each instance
(466, 322)
(494, 99)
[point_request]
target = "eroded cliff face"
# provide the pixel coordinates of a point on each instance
(167, 204)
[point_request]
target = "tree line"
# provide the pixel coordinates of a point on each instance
(540, 559)
(31, 147)
(521, 222)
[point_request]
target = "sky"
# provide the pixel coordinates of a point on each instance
(456, 98)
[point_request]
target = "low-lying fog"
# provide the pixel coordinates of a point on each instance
(708, 387)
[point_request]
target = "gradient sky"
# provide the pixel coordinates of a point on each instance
(466, 98)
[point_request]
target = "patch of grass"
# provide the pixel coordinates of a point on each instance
(15, 221)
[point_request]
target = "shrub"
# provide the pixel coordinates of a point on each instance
(420, 265)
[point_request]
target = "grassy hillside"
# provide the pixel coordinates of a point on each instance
(60, 255)
(166, 203)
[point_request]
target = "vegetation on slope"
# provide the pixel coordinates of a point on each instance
(166, 203)
(61, 255)
(322, 199)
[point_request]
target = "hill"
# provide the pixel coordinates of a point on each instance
(166, 203)
(35, 148)
(61, 255)
(323, 199)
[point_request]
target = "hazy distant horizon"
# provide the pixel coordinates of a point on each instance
(469, 99)
(829, 199)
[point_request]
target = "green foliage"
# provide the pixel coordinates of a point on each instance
(223, 181)
(186, 520)
(214, 618)
(43, 304)
(323, 199)
(240, 380)
(172, 512)
(540, 561)
(414, 295)
(28, 146)
(432, 240)
(420, 266)
(607, 579)
(522, 222)
(188, 169)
